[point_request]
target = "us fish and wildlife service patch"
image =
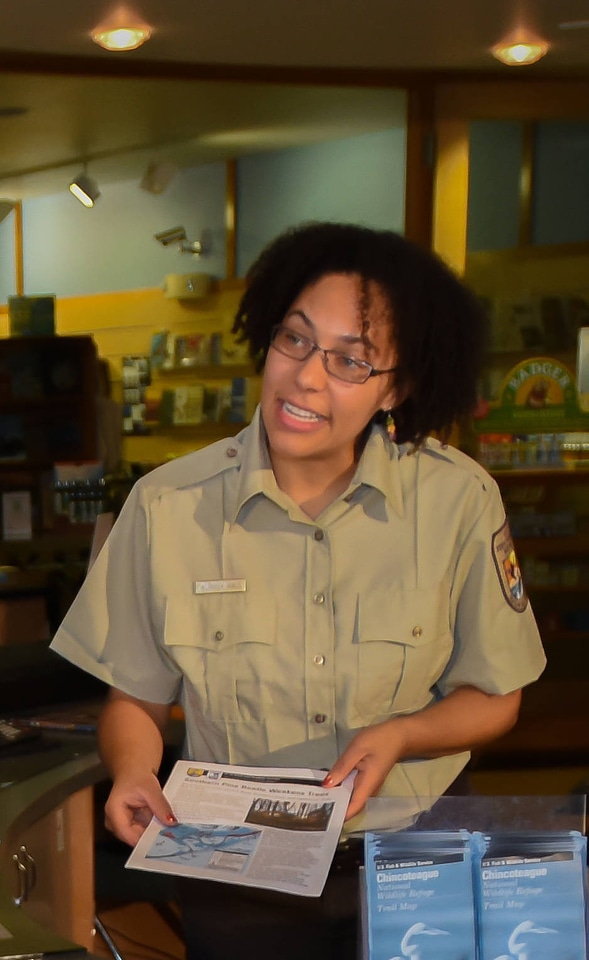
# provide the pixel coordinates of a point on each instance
(508, 571)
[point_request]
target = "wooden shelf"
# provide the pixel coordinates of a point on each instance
(197, 429)
(210, 371)
(573, 546)
(574, 474)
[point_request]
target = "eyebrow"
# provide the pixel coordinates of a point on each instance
(346, 338)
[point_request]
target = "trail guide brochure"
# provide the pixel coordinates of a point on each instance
(270, 827)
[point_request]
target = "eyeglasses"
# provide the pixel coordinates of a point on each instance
(337, 364)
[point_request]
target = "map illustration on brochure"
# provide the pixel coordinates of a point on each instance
(269, 827)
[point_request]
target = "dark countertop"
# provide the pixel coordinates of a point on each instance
(38, 775)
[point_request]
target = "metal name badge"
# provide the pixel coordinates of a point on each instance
(219, 586)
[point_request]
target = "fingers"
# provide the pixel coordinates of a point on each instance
(372, 753)
(370, 775)
(130, 808)
(365, 786)
(129, 831)
(351, 759)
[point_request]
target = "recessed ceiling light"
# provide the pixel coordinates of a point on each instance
(123, 30)
(124, 38)
(520, 52)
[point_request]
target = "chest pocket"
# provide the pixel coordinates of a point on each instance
(403, 646)
(223, 643)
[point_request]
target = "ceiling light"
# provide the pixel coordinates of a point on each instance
(85, 189)
(121, 38)
(122, 30)
(520, 50)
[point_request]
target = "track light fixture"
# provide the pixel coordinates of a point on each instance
(177, 236)
(85, 189)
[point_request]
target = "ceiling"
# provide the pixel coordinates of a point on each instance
(198, 91)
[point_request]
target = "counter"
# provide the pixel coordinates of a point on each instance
(47, 837)
(46, 845)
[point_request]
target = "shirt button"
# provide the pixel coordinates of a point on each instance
(231, 452)
(219, 635)
(320, 718)
(319, 598)
(417, 631)
(319, 534)
(318, 659)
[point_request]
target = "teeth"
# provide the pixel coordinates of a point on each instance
(301, 414)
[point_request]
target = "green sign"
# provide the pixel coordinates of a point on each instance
(537, 396)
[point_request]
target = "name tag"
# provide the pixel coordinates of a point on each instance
(219, 586)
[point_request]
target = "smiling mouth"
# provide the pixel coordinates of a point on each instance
(307, 415)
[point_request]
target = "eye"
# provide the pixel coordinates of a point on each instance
(348, 363)
(292, 339)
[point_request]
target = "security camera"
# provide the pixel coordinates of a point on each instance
(174, 235)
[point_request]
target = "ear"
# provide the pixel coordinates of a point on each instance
(394, 397)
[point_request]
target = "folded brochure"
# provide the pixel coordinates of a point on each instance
(269, 827)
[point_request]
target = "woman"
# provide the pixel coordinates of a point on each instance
(326, 590)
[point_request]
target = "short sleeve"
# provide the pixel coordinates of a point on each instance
(497, 646)
(108, 631)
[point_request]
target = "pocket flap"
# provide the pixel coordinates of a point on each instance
(218, 622)
(411, 617)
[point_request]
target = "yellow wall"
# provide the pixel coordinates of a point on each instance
(122, 324)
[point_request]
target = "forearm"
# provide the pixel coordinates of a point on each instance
(130, 741)
(130, 734)
(462, 720)
(466, 718)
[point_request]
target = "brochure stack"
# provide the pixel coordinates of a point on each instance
(420, 895)
(454, 895)
(532, 895)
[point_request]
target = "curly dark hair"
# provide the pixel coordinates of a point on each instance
(438, 325)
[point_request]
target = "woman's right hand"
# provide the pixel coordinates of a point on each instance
(131, 747)
(131, 804)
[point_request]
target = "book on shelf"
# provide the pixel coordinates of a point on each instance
(182, 405)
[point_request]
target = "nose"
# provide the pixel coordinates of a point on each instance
(312, 372)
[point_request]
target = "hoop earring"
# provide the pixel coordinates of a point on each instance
(391, 427)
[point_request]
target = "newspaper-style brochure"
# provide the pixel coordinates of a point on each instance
(270, 827)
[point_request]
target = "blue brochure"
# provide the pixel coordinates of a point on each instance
(532, 896)
(419, 896)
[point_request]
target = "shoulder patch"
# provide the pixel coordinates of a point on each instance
(508, 569)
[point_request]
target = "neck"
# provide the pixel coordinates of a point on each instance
(310, 486)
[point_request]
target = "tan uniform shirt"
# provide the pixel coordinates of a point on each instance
(280, 635)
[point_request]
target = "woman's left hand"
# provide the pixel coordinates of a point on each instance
(465, 718)
(373, 752)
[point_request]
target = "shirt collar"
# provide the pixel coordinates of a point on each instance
(255, 474)
(378, 468)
